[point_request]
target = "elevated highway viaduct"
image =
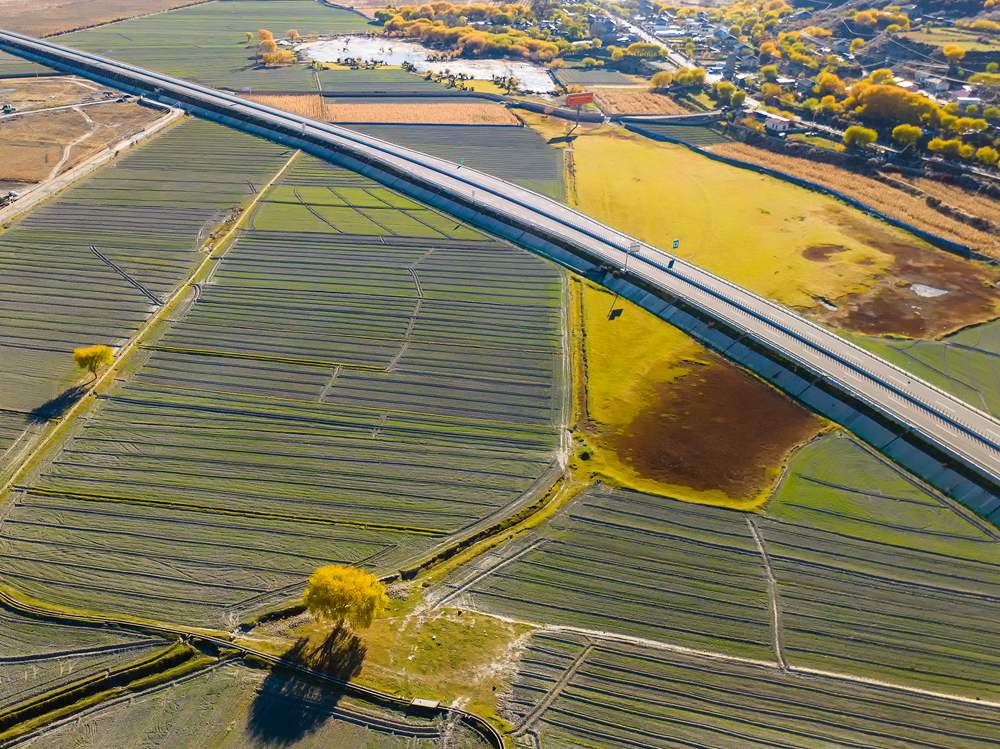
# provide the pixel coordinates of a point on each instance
(947, 442)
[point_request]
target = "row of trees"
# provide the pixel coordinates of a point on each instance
(268, 51)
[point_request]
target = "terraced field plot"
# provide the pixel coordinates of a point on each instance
(330, 396)
(207, 43)
(637, 565)
(875, 577)
(37, 656)
(235, 707)
(881, 577)
(146, 217)
(518, 154)
(575, 692)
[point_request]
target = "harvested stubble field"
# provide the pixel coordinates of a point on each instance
(635, 565)
(37, 656)
(892, 201)
(635, 101)
(795, 246)
(354, 390)
(966, 363)
(42, 145)
(519, 154)
(619, 695)
(148, 214)
(234, 707)
(26, 94)
(207, 43)
(393, 111)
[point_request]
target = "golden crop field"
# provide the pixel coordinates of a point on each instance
(392, 111)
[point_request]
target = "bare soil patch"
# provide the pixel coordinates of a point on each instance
(892, 306)
(28, 94)
(374, 111)
(715, 428)
(32, 146)
(635, 101)
(46, 17)
(892, 201)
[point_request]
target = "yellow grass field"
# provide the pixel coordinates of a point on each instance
(373, 111)
(896, 203)
(635, 101)
(662, 414)
(801, 248)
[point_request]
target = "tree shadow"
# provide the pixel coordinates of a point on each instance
(289, 707)
(56, 407)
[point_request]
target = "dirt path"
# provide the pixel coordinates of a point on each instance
(68, 147)
(777, 637)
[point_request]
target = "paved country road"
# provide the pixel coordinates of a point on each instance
(968, 436)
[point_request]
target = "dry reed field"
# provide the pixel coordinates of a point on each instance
(392, 111)
(304, 105)
(890, 200)
(635, 101)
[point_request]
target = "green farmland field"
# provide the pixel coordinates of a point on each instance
(574, 692)
(361, 378)
(233, 707)
(147, 214)
(637, 565)
(518, 154)
(879, 576)
(207, 43)
(966, 364)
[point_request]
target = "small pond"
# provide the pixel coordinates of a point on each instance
(533, 78)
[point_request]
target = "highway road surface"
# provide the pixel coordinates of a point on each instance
(960, 430)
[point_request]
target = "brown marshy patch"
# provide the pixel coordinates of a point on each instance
(894, 306)
(822, 252)
(714, 429)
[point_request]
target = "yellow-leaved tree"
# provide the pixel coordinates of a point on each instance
(94, 358)
(345, 595)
